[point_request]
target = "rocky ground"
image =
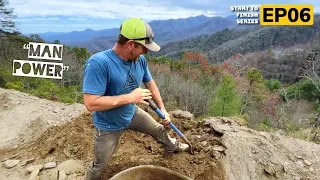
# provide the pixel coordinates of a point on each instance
(49, 140)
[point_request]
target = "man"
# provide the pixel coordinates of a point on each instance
(111, 88)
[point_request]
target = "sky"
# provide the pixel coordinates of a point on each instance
(34, 16)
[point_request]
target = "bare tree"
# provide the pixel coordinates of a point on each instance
(312, 71)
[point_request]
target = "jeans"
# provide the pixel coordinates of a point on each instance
(105, 142)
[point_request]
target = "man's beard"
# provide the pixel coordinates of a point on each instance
(133, 59)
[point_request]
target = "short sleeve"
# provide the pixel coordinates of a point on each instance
(147, 75)
(95, 78)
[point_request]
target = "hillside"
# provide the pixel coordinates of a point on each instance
(75, 37)
(221, 45)
(165, 31)
(223, 148)
(96, 44)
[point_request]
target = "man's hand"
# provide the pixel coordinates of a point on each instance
(167, 118)
(139, 95)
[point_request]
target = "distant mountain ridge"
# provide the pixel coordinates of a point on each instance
(221, 45)
(78, 36)
(165, 31)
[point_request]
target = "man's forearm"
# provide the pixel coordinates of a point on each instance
(155, 94)
(108, 102)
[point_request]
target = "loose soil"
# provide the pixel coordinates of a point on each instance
(223, 148)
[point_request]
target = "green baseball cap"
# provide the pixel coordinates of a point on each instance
(139, 31)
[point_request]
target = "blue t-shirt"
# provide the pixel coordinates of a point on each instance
(106, 74)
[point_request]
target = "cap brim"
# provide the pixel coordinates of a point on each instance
(152, 46)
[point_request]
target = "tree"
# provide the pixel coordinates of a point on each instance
(36, 38)
(312, 72)
(6, 17)
(56, 41)
(273, 84)
(256, 87)
(305, 89)
(7, 24)
(227, 101)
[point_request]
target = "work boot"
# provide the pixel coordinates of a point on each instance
(181, 147)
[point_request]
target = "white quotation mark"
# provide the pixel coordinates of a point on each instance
(65, 68)
(26, 46)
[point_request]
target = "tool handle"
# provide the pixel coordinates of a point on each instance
(153, 105)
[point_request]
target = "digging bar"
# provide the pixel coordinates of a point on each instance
(154, 106)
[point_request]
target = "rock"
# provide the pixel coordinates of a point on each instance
(269, 170)
(204, 143)
(54, 174)
(11, 163)
(219, 148)
(229, 121)
(306, 162)
(182, 114)
(24, 162)
(218, 129)
(311, 169)
(81, 178)
(34, 175)
(207, 130)
(254, 150)
(50, 165)
(207, 149)
(216, 155)
(32, 168)
(72, 177)
(280, 133)
(62, 175)
(67, 153)
(49, 159)
(300, 163)
(71, 166)
(195, 137)
(202, 138)
(275, 137)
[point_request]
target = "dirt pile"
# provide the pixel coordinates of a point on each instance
(223, 150)
(73, 140)
(25, 117)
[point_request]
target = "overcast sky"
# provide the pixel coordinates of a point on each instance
(77, 15)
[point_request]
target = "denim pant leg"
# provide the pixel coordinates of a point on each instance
(105, 143)
(143, 122)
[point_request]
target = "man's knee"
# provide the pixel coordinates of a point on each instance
(159, 132)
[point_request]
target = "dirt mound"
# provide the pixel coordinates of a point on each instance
(24, 117)
(75, 140)
(223, 150)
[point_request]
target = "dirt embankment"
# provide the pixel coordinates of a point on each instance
(224, 149)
